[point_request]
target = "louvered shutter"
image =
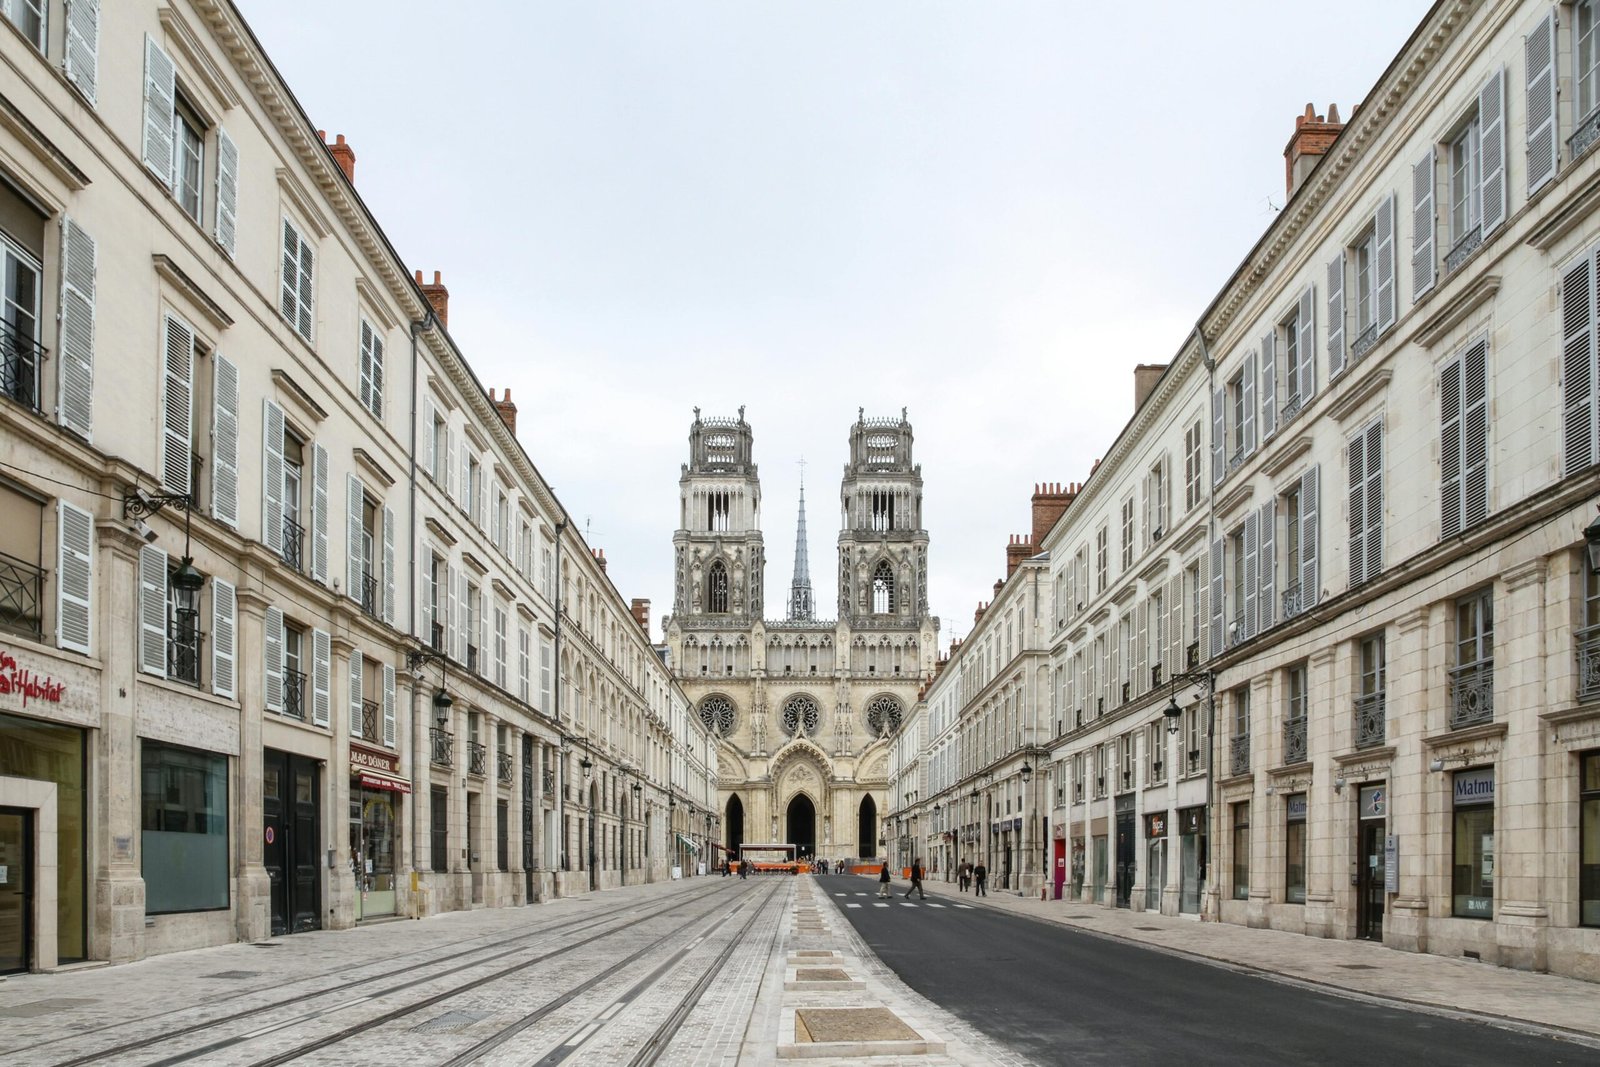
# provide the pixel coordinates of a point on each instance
(1475, 434)
(75, 316)
(1310, 535)
(1247, 384)
(177, 406)
(224, 628)
(356, 695)
(430, 462)
(388, 705)
(1336, 316)
(305, 289)
(1216, 597)
(1267, 587)
(424, 595)
(1492, 145)
(1539, 64)
(1578, 362)
(1269, 385)
(319, 513)
(1146, 519)
(1219, 444)
(1424, 259)
(450, 464)
(465, 499)
(1450, 449)
(160, 95)
(1141, 656)
(388, 566)
(1306, 342)
(1374, 501)
(153, 611)
(1164, 497)
(321, 677)
(1172, 656)
(225, 443)
(524, 664)
(355, 496)
(272, 682)
(81, 62)
(1246, 625)
(1383, 268)
(272, 476)
(452, 627)
(227, 192)
(74, 577)
(1356, 457)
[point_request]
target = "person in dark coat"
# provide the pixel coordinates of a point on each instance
(883, 882)
(916, 882)
(980, 880)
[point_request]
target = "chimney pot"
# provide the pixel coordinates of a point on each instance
(507, 410)
(1313, 136)
(343, 155)
(438, 297)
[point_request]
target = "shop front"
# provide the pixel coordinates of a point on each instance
(1192, 857)
(291, 811)
(42, 779)
(1155, 872)
(376, 792)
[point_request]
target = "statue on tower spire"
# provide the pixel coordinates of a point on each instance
(802, 605)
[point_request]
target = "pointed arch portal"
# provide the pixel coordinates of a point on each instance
(803, 826)
(733, 823)
(867, 829)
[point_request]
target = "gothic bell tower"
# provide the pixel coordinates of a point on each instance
(883, 548)
(718, 556)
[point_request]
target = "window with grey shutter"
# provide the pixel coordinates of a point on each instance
(177, 406)
(1366, 503)
(355, 562)
(1267, 570)
(1578, 357)
(1216, 597)
(1424, 258)
(1492, 123)
(425, 595)
(1463, 444)
(1269, 385)
(227, 192)
(321, 677)
(1306, 345)
(1219, 442)
(1251, 578)
(272, 660)
(430, 459)
(319, 513)
(81, 59)
(1310, 536)
(1539, 64)
(74, 577)
(371, 369)
(160, 97)
(1383, 233)
(388, 706)
(225, 442)
(297, 280)
(452, 619)
(272, 476)
(1356, 460)
(224, 630)
(75, 405)
(1247, 385)
(356, 695)
(1336, 316)
(153, 611)
(388, 566)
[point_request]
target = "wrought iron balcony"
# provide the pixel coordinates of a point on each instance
(1585, 135)
(1239, 755)
(20, 359)
(548, 782)
(1127, 692)
(1291, 602)
(184, 642)
(1099, 706)
(1294, 740)
(1155, 676)
(1364, 342)
(472, 658)
(21, 591)
(294, 542)
(504, 761)
(436, 637)
(1589, 663)
(1290, 409)
(1236, 460)
(477, 759)
(1237, 630)
(443, 746)
(369, 594)
(1191, 655)
(294, 694)
(371, 722)
(1462, 250)
(1471, 694)
(1371, 724)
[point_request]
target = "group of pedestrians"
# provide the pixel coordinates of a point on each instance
(966, 875)
(976, 877)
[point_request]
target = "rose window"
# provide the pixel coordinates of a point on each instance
(717, 714)
(800, 716)
(883, 716)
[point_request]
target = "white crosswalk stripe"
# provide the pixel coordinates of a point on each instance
(935, 905)
(879, 904)
(968, 907)
(852, 905)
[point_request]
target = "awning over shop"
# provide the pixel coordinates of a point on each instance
(688, 844)
(374, 780)
(720, 848)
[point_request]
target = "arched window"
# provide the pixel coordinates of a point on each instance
(883, 589)
(717, 589)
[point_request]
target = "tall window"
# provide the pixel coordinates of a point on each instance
(294, 530)
(1464, 440)
(188, 142)
(297, 289)
(20, 354)
(441, 448)
(1289, 538)
(1371, 722)
(1102, 558)
(1588, 57)
(1294, 715)
(184, 819)
(1472, 677)
(1465, 156)
(372, 369)
(1127, 533)
(1589, 838)
(718, 511)
(29, 17)
(1239, 742)
(717, 589)
(1191, 466)
(883, 589)
(1365, 294)
(1241, 850)
(1294, 848)
(1472, 870)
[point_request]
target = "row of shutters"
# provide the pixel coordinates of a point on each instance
(159, 149)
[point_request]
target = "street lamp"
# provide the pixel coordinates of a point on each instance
(1027, 773)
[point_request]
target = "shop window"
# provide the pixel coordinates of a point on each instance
(51, 753)
(1100, 850)
(184, 819)
(502, 835)
(1472, 872)
(1294, 847)
(21, 356)
(1589, 848)
(1241, 851)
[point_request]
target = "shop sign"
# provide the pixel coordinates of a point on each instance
(1190, 820)
(1123, 804)
(377, 781)
(370, 759)
(1155, 825)
(1374, 802)
(1474, 787)
(1295, 806)
(21, 681)
(1391, 864)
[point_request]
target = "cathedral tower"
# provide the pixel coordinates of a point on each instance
(718, 549)
(883, 549)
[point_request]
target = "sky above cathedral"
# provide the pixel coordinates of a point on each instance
(984, 212)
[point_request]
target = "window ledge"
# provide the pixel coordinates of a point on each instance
(42, 148)
(1466, 735)
(1377, 757)
(1289, 770)
(208, 308)
(1235, 500)
(439, 530)
(368, 465)
(1460, 306)
(1356, 396)
(1286, 456)
(310, 411)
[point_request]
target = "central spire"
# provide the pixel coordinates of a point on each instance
(801, 604)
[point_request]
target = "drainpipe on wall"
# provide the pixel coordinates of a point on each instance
(1211, 696)
(561, 753)
(428, 321)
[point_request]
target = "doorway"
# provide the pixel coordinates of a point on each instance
(734, 822)
(1155, 874)
(16, 889)
(291, 809)
(802, 824)
(1370, 874)
(1127, 864)
(867, 829)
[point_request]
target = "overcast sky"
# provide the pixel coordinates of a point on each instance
(984, 212)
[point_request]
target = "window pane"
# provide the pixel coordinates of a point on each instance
(184, 818)
(1472, 878)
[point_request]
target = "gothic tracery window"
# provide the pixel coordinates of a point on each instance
(717, 589)
(883, 589)
(800, 716)
(717, 714)
(883, 716)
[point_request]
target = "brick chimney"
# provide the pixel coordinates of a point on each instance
(507, 410)
(641, 613)
(600, 558)
(1020, 548)
(977, 616)
(1145, 377)
(1313, 136)
(342, 154)
(438, 296)
(1050, 501)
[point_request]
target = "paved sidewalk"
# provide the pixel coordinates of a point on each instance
(1363, 968)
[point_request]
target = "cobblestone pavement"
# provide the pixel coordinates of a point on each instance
(1361, 968)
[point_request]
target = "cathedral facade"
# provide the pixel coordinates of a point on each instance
(804, 706)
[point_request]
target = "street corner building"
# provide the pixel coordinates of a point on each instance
(1324, 624)
(293, 634)
(804, 708)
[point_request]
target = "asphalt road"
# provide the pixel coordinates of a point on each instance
(1060, 996)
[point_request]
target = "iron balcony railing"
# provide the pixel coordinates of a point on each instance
(294, 544)
(370, 721)
(472, 658)
(1191, 655)
(436, 636)
(369, 594)
(1294, 740)
(1127, 692)
(1155, 676)
(1364, 342)
(1585, 134)
(1589, 663)
(1236, 460)
(184, 642)
(1463, 249)
(442, 746)
(505, 762)
(1291, 602)
(21, 593)
(1291, 409)
(294, 693)
(20, 359)
(548, 782)
(1471, 695)
(1370, 720)
(1239, 755)
(477, 759)
(1237, 630)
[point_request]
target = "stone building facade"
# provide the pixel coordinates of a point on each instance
(804, 707)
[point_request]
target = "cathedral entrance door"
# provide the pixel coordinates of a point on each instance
(803, 827)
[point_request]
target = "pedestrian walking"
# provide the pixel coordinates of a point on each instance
(980, 880)
(964, 875)
(883, 882)
(916, 882)
(744, 869)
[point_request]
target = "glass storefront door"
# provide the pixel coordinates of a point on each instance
(1189, 887)
(16, 889)
(372, 840)
(1155, 874)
